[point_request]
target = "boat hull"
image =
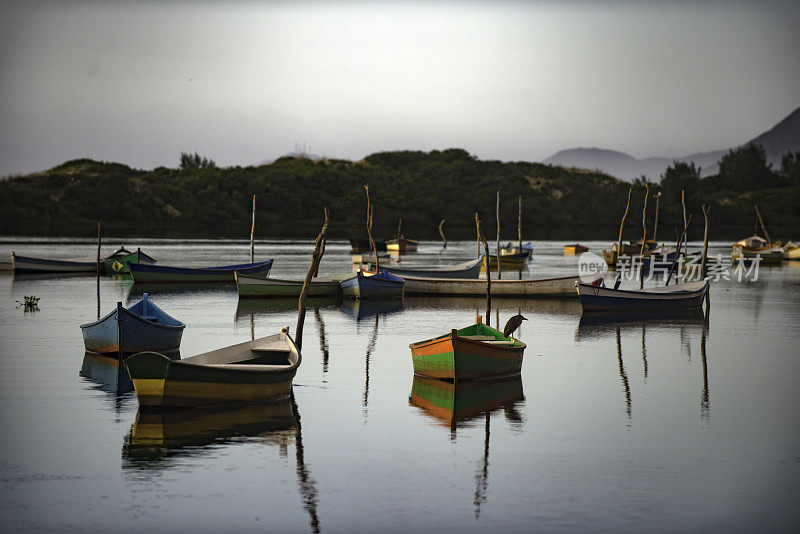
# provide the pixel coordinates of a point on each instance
(250, 287)
(379, 286)
(562, 287)
(683, 297)
(234, 375)
(466, 270)
(120, 264)
(148, 273)
(125, 332)
(453, 357)
(509, 262)
(792, 254)
(571, 250)
(401, 245)
(28, 264)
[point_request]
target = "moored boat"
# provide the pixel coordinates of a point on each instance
(681, 296)
(527, 248)
(254, 371)
(401, 245)
(753, 247)
(143, 326)
(149, 273)
(362, 244)
(30, 264)
(475, 352)
(467, 269)
(560, 287)
(117, 261)
(256, 287)
(575, 248)
(791, 251)
(509, 262)
(373, 286)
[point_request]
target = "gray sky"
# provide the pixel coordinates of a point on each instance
(241, 83)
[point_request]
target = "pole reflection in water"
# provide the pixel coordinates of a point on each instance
(624, 377)
(644, 354)
(370, 347)
(158, 440)
(323, 343)
(457, 405)
(705, 407)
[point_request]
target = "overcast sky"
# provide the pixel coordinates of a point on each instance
(242, 83)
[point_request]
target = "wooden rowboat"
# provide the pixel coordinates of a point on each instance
(753, 247)
(791, 251)
(575, 248)
(509, 262)
(117, 261)
(475, 352)
(249, 372)
(562, 287)
(372, 286)
(527, 248)
(143, 326)
(401, 245)
(257, 287)
(29, 264)
(467, 269)
(681, 296)
(148, 273)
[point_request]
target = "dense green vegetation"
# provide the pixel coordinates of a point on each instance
(199, 199)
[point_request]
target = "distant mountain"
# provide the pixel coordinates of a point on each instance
(782, 138)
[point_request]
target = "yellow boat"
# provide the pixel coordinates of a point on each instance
(575, 248)
(791, 251)
(749, 248)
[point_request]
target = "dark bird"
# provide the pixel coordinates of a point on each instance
(513, 324)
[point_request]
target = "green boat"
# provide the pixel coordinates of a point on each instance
(258, 287)
(472, 353)
(117, 261)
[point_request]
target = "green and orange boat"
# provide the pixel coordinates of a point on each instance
(477, 352)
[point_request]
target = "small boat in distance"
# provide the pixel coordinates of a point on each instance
(401, 245)
(561, 287)
(467, 269)
(681, 296)
(256, 287)
(149, 273)
(251, 372)
(143, 326)
(509, 262)
(373, 286)
(29, 264)
(791, 251)
(475, 352)
(527, 248)
(575, 248)
(117, 261)
(750, 248)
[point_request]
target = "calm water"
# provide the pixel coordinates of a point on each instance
(638, 426)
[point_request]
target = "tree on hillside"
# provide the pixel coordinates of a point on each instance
(194, 161)
(746, 168)
(679, 177)
(790, 168)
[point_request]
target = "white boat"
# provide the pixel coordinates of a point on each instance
(561, 287)
(681, 296)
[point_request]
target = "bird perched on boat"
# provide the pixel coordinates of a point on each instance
(513, 324)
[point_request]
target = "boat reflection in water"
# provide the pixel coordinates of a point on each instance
(109, 374)
(157, 440)
(247, 307)
(458, 404)
(461, 404)
(365, 308)
(597, 325)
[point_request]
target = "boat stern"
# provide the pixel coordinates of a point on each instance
(148, 371)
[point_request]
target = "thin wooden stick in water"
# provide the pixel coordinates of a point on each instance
(441, 233)
(301, 302)
(98, 268)
(706, 210)
(685, 224)
(621, 226)
(680, 241)
(252, 232)
(764, 228)
(519, 223)
(488, 271)
(497, 214)
(644, 237)
(655, 225)
(369, 231)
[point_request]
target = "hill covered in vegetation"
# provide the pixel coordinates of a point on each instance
(422, 188)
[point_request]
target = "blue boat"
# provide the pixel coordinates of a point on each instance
(150, 273)
(677, 297)
(142, 327)
(377, 286)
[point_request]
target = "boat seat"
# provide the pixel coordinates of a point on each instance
(247, 366)
(478, 337)
(153, 318)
